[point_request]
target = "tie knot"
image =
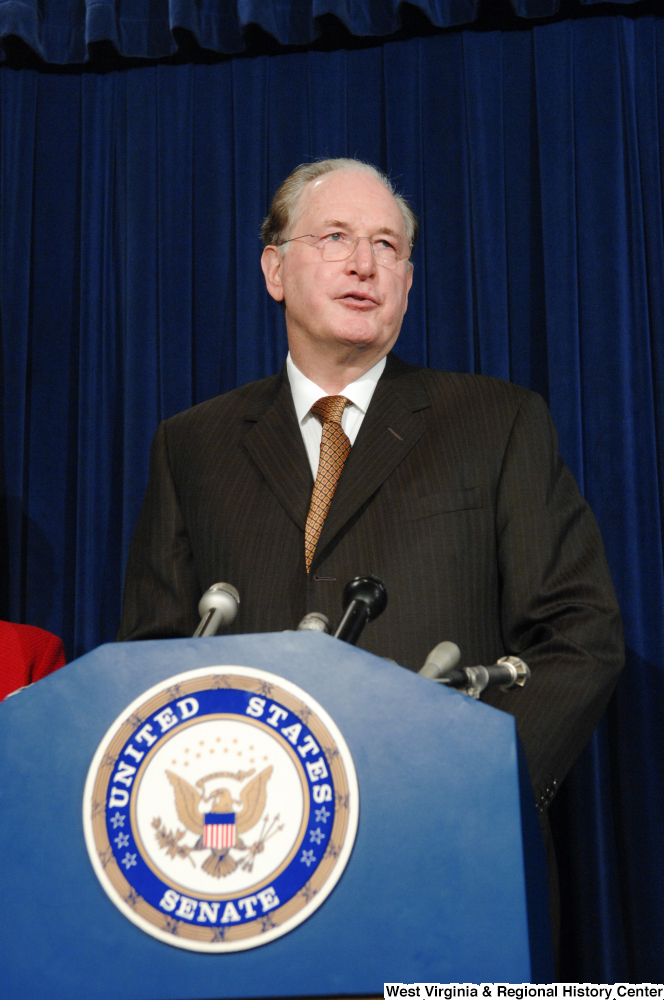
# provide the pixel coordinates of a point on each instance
(330, 408)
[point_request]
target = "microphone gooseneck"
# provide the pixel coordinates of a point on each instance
(364, 599)
(217, 607)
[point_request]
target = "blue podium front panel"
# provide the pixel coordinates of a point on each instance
(433, 890)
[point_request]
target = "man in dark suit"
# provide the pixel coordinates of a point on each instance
(447, 486)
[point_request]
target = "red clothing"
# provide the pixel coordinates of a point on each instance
(27, 654)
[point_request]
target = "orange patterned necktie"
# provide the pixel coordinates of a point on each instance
(334, 450)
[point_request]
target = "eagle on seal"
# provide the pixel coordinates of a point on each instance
(187, 800)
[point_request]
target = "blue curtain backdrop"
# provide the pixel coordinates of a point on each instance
(61, 30)
(130, 288)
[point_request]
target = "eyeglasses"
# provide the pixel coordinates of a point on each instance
(339, 246)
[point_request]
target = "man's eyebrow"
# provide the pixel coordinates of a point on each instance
(336, 222)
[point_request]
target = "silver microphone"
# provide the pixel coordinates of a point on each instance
(315, 621)
(217, 607)
(442, 658)
(441, 666)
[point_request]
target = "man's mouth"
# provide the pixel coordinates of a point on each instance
(358, 299)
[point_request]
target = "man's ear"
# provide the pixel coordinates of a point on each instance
(271, 263)
(409, 282)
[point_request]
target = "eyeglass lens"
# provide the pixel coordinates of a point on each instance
(383, 252)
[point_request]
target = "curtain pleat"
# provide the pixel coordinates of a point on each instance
(137, 229)
(95, 573)
(553, 70)
(446, 243)
(214, 301)
(50, 456)
(483, 79)
(17, 156)
(130, 289)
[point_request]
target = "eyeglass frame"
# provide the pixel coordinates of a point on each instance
(314, 236)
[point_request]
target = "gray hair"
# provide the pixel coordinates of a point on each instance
(276, 226)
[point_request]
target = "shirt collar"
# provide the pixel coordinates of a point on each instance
(305, 392)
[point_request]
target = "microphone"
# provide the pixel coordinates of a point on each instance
(442, 658)
(217, 607)
(441, 666)
(315, 621)
(364, 599)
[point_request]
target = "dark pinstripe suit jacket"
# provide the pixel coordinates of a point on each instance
(453, 494)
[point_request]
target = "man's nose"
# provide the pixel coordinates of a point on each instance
(362, 258)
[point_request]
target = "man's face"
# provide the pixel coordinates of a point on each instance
(354, 302)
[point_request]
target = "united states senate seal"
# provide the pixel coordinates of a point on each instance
(220, 809)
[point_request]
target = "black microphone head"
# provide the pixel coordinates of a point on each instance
(370, 590)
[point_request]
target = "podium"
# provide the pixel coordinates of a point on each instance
(446, 882)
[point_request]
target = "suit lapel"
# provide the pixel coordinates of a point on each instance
(391, 428)
(275, 444)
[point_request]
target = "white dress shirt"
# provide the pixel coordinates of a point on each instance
(306, 393)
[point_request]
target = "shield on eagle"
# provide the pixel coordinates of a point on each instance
(219, 830)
